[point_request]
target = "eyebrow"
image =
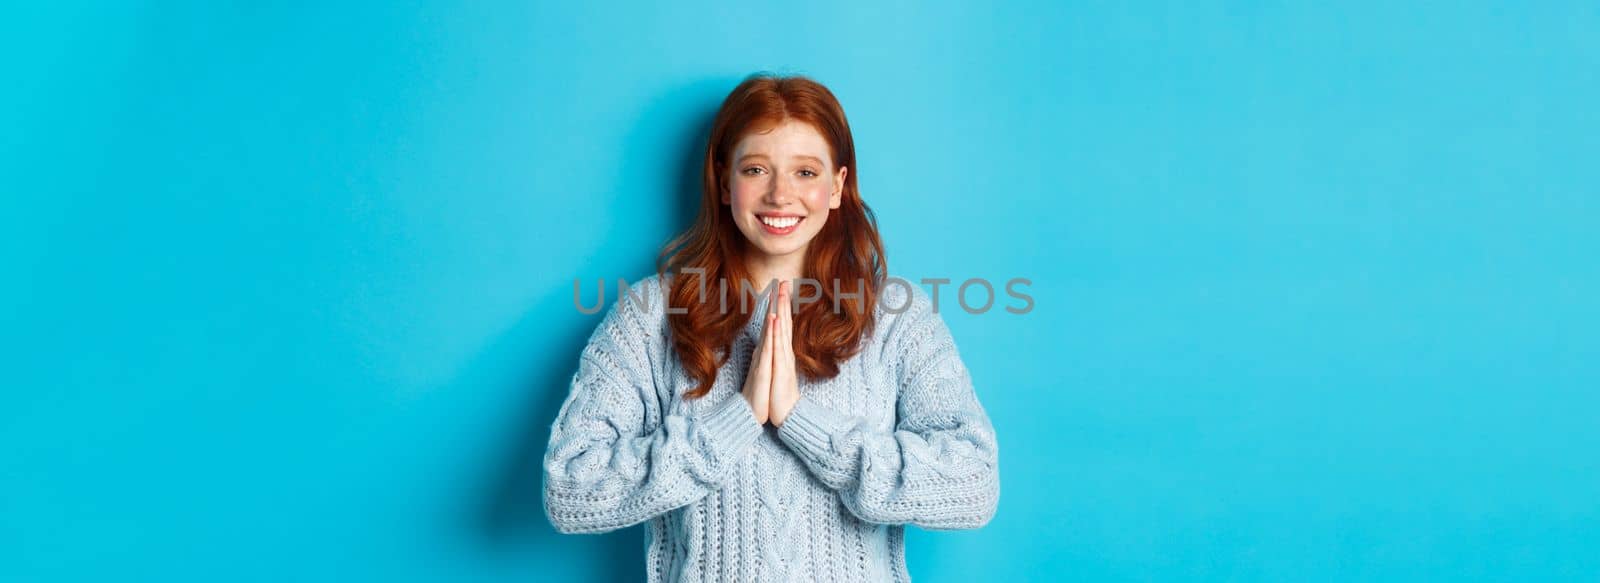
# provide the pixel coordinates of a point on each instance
(814, 159)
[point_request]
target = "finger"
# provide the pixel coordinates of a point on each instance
(786, 331)
(777, 336)
(766, 331)
(789, 309)
(769, 348)
(786, 345)
(759, 352)
(788, 303)
(772, 298)
(759, 385)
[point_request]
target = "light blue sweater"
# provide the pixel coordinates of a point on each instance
(897, 438)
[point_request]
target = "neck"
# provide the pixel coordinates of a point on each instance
(765, 268)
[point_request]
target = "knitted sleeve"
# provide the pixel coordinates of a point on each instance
(938, 468)
(614, 460)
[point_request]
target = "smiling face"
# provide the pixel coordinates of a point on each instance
(781, 184)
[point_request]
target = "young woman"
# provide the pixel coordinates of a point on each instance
(789, 441)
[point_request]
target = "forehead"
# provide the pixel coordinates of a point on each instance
(787, 139)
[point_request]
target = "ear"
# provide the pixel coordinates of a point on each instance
(838, 188)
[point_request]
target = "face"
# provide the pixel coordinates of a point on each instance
(781, 185)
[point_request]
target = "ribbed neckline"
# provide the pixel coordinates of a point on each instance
(753, 325)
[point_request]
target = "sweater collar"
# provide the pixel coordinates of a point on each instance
(755, 315)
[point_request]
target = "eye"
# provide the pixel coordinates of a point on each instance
(751, 171)
(807, 173)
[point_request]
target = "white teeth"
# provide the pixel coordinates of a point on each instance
(780, 222)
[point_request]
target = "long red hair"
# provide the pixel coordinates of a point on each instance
(847, 249)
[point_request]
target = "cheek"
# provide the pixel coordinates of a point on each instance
(741, 195)
(816, 197)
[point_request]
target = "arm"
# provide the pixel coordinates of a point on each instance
(605, 469)
(938, 468)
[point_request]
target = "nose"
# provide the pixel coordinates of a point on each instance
(780, 192)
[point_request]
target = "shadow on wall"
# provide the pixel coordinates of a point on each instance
(512, 514)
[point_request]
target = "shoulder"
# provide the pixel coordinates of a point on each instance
(638, 302)
(903, 303)
(648, 295)
(917, 344)
(907, 318)
(903, 296)
(634, 316)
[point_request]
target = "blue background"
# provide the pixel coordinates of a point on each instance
(289, 289)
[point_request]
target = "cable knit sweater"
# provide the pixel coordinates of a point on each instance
(897, 438)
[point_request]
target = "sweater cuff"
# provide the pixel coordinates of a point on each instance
(810, 428)
(730, 427)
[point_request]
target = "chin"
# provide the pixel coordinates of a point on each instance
(778, 250)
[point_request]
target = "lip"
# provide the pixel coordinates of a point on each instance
(771, 230)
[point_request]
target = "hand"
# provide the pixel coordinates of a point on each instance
(758, 381)
(771, 386)
(785, 384)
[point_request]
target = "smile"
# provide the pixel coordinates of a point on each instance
(780, 225)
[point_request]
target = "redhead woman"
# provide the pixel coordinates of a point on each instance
(768, 403)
